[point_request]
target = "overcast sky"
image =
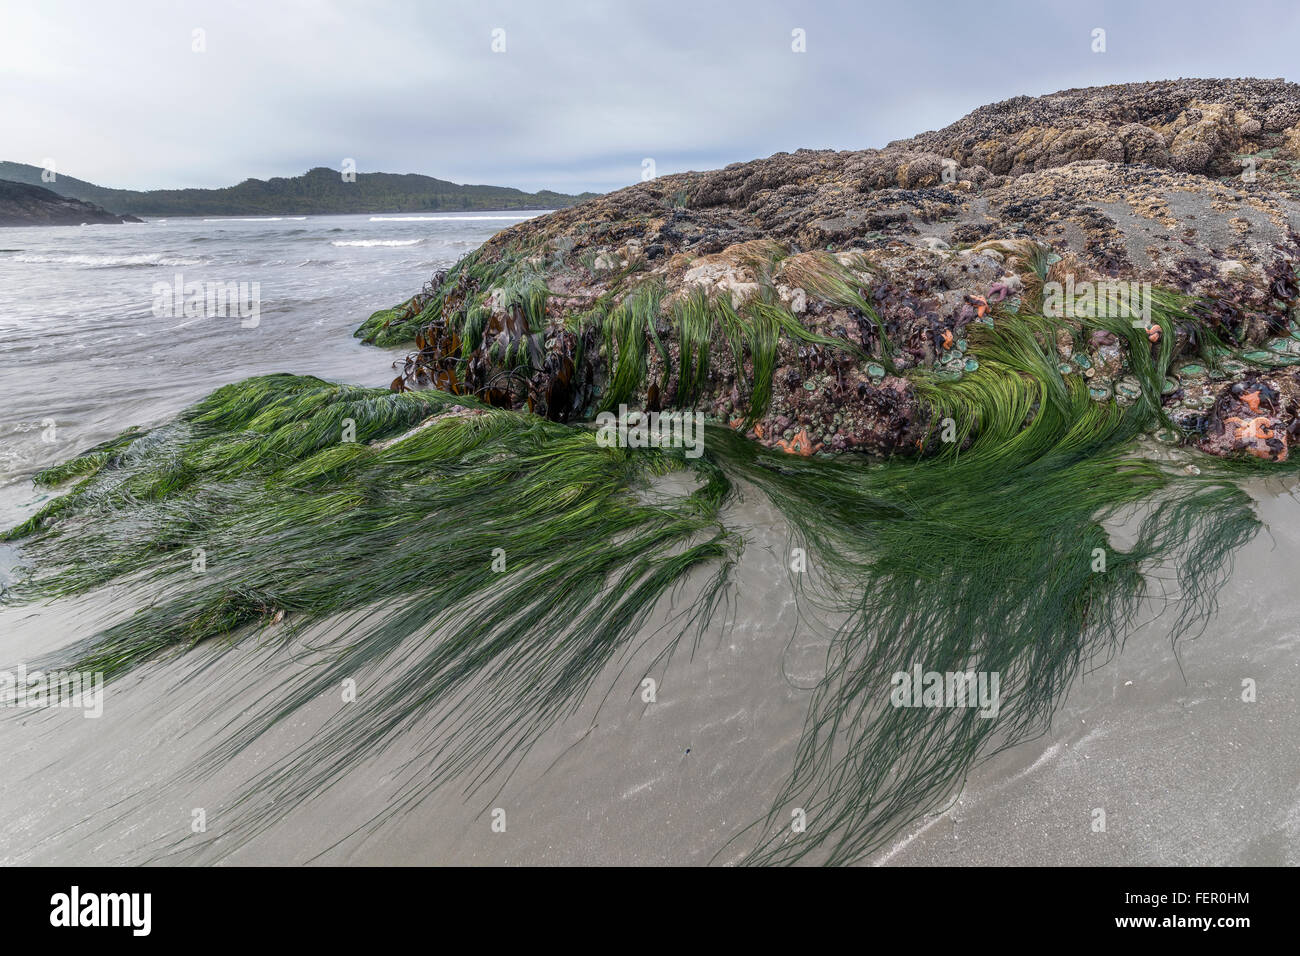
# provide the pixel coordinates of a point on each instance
(583, 92)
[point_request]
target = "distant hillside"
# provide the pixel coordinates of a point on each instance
(22, 204)
(318, 191)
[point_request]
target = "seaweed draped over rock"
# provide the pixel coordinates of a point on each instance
(1011, 407)
(820, 351)
(805, 295)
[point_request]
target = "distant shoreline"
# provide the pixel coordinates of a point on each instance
(22, 204)
(90, 215)
(317, 192)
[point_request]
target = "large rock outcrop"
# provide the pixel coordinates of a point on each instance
(24, 205)
(1188, 186)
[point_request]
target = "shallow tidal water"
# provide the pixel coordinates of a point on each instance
(82, 348)
(1160, 740)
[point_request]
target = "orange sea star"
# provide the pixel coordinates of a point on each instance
(800, 444)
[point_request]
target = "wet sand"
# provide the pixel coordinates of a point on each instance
(1186, 772)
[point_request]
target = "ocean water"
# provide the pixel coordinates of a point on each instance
(1158, 738)
(82, 349)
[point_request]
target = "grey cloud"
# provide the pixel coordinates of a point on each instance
(583, 92)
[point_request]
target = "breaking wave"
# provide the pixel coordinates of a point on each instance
(375, 242)
(102, 262)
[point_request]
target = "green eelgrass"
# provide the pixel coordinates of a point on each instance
(764, 321)
(825, 277)
(88, 463)
(398, 326)
(258, 477)
(754, 330)
(993, 560)
(694, 319)
(628, 330)
(982, 557)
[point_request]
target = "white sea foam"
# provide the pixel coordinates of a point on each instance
(260, 219)
(531, 215)
(375, 242)
(139, 259)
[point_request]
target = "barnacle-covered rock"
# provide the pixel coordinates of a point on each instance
(832, 283)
